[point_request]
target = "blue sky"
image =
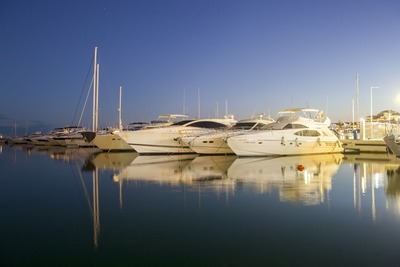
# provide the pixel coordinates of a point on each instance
(256, 56)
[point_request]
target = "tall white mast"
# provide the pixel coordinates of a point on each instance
(120, 109)
(198, 103)
(184, 100)
(94, 126)
(97, 97)
(352, 108)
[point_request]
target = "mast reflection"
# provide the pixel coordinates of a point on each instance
(115, 161)
(373, 172)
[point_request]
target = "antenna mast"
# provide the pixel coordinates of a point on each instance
(357, 103)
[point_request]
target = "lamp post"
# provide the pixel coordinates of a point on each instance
(370, 119)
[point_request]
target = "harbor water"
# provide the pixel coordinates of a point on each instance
(79, 207)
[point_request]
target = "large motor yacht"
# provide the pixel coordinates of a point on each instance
(298, 131)
(213, 144)
(165, 140)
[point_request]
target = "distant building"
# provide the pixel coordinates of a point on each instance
(387, 116)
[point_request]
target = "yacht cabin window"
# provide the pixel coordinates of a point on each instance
(308, 133)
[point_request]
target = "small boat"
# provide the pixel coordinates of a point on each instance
(47, 139)
(17, 140)
(298, 131)
(3, 139)
(72, 137)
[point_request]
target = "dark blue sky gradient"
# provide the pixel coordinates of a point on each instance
(256, 56)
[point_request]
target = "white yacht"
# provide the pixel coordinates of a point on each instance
(297, 131)
(47, 139)
(72, 137)
(111, 141)
(215, 143)
(165, 140)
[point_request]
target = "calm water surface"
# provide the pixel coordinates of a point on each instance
(69, 207)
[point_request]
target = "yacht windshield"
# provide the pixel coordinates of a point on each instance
(243, 125)
(207, 124)
(294, 126)
(182, 122)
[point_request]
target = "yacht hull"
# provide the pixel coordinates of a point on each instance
(111, 142)
(155, 141)
(168, 140)
(209, 144)
(282, 143)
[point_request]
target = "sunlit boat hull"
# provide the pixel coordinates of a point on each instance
(168, 140)
(283, 143)
(155, 141)
(111, 142)
(213, 144)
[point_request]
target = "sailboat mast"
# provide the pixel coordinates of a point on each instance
(184, 96)
(97, 97)
(119, 109)
(94, 90)
(198, 103)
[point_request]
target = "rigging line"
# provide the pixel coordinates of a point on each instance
(84, 105)
(83, 89)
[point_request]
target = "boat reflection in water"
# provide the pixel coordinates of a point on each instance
(373, 172)
(166, 170)
(114, 161)
(60, 153)
(302, 179)
(393, 190)
(176, 170)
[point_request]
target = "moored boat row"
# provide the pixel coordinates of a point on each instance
(69, 136)
(297, 131)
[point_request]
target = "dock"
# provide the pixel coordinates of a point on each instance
(364, 146)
